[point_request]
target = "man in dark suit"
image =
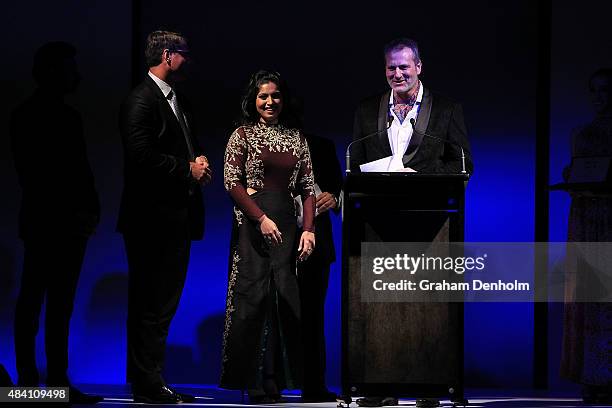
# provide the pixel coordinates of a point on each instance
(59, 211)
(161, 210)
(387, 118)
(313, 274)
(419, 130)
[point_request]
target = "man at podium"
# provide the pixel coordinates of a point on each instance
(406, 129)
(409, 127)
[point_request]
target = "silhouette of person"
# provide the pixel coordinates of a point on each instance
(587, 326)
(59, 211)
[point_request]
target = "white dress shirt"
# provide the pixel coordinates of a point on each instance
(400, 133)
(166, 89)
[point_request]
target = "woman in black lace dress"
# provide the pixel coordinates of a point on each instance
(267, 162)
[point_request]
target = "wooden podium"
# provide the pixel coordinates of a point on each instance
(400, 349)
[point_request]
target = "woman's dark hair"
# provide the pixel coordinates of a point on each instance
(249, 113)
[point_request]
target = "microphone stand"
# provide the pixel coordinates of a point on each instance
(348, 148)
(413, 123)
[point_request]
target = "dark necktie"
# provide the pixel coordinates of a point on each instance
(181, 118)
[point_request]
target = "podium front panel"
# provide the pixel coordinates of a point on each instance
(401, 349)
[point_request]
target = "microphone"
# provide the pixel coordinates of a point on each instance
(361, 139)
(413, 123)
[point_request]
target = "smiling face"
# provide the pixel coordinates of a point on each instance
(402, 71)
(269, 103)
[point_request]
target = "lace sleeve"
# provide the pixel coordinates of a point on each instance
(305, 186)
(234, 177)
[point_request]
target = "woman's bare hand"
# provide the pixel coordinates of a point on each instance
(270, 232)
(307, 245)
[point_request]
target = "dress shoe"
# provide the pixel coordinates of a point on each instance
(5, 378)
(156, 395)
(75, 396)
(257, 396)
(278, 399)
(597, 395)
(187, 398)
(262, 399)
(78, 397)
(377, 401)
(23, 381)
(427, 402)
(459, 401)
(319, 396)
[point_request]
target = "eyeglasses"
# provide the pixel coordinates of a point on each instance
(184, 52)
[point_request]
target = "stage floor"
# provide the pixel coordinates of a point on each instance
(209, 396)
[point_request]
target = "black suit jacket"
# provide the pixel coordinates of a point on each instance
(438, 116)
(328, 175)
(159, 193)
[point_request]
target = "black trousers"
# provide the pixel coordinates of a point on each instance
(51, 270)
(157, 262)
(313, 277)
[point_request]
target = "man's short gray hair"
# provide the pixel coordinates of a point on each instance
(401, 43)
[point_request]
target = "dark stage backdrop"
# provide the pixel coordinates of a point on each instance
(479, 52)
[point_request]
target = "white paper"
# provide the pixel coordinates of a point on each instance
(376, 165)
(386, 164)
